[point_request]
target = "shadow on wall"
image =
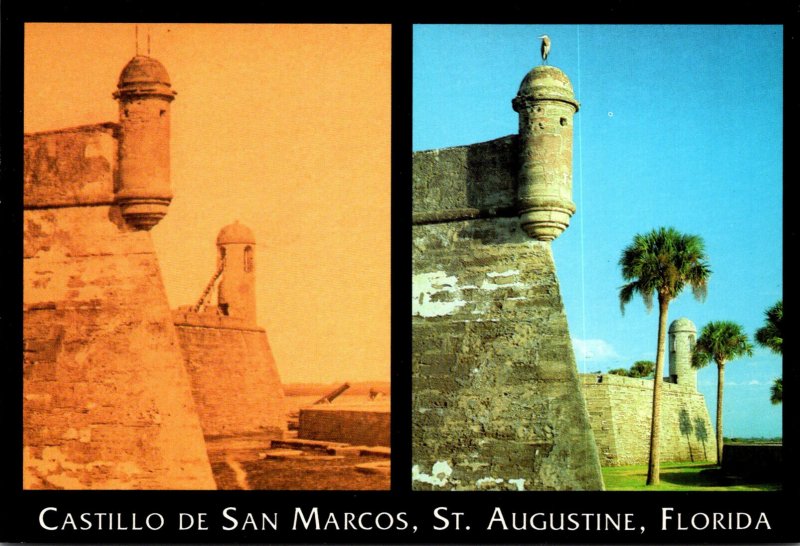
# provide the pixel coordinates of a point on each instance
(489, 187)
(699, 430)
(701, 434)
(490, 191)
(685, 424)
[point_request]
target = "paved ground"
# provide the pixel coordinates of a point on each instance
(249, 464)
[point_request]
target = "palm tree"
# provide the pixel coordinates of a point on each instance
(642, 368)
(721, 342)
(771, 334)
(662, 262)
(776, 392)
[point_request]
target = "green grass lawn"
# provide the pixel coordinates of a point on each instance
(679, 477)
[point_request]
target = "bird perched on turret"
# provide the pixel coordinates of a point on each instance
(545, 47)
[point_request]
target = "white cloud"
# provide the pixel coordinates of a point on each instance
(596, 350)
(729, 383)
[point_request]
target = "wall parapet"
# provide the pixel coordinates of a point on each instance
(70, 167)
(356, 425)
(465, 182)
(612, 379)
(620, 412)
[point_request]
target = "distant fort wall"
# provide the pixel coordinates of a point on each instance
(620, 411)
(233, 374)
(357, 425)
(234, 378)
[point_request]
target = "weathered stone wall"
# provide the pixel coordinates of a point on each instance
(352, 425)
(620, 410)
(235, 382)
(107, 402)
(70, 167)
(682, 338)
(496, 398)
(466, 181)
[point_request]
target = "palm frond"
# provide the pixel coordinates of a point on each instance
(776, 391)
(664, 261)
(700, 356)
(771, 334)
(721, 341)
(626, 293)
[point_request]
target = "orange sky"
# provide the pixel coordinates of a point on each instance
(283, 127)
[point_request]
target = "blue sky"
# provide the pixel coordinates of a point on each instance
(679, 126)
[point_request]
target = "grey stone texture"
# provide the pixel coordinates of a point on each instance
(546, 104)
(620, 411)
(496, 397)
(465, 181)
(682, 338)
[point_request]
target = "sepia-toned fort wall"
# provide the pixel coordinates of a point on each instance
(107, 401)
(356, 424)
(234, 378)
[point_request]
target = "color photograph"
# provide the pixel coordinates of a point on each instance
(596, 206)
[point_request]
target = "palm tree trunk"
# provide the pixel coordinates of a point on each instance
(653, 468)
(720, 387)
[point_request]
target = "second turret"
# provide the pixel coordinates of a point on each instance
(236, 256)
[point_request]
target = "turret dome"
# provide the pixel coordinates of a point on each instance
(144, 76)
(546, 83)
(682, 325)
(236, 233)
(143, 69)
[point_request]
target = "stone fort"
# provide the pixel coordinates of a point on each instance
(497, 401)
(620, 409)
(120, 392)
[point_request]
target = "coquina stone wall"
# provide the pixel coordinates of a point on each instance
(620, 410)
(497, 402)
(235, 382)
(107, 402)
(357, 425)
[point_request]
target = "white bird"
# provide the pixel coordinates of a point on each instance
(545, 47)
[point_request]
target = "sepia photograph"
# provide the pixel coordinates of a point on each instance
(206, 256)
